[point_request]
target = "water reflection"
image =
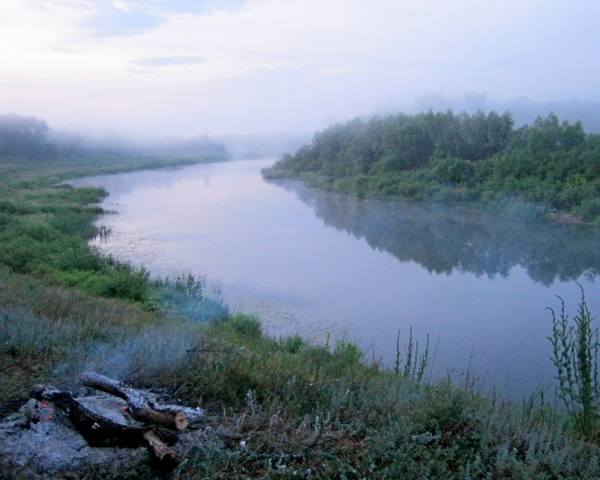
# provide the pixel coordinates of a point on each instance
(446, 239)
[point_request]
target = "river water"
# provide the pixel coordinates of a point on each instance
(325, 265)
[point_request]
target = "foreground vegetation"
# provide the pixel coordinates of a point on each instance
(447, 157)
(280, 408)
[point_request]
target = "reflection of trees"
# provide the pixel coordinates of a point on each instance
(442, 238)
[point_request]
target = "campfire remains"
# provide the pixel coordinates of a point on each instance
(120, 416)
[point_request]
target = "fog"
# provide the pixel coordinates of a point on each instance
(233, 67)
(524, 110)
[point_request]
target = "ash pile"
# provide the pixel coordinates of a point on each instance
(106, 425)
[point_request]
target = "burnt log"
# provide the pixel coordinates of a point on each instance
(140, 403)
(165, 457)
(134, 398)
(98, 430)
(177, 421)
(193, 415)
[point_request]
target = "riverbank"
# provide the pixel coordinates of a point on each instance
(360, 188)
(282, 408)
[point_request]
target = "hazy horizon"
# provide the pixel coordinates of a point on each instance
(222, 67)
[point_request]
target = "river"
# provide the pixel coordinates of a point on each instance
(325, 265)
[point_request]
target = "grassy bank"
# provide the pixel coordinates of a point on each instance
(45, 225)
(549, 166)
(281, 408)
(54, 289)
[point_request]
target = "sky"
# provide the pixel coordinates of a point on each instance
(184, 67)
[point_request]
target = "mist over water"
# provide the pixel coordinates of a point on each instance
(319, 263)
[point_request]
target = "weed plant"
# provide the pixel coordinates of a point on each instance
(575, 348)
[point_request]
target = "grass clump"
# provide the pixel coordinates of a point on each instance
(187, 297)
(42, 327)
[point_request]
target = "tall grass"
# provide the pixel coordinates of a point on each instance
(414, 363)
(575, 349)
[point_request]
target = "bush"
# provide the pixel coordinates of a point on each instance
(185, 296)
(589, 209)
(292, 344)
(245, 325)
(453, 171)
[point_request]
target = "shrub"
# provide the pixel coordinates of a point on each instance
(292, 344)
(453, 171)
(589, 209)
(245, 325)
(348, 353)
(185, 296)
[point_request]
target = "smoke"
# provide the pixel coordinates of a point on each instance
(184, 307)
(122, 350)
(155, 350)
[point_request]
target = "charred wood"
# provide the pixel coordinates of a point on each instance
(142, 406)
(98, 430)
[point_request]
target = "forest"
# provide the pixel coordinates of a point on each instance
(449, 157)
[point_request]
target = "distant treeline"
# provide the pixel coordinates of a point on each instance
(30, 138)
(455, 157)
(24, 137)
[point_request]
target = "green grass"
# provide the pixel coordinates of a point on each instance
(46, 226)
(281, 408)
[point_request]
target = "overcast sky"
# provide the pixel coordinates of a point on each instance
(237, 66)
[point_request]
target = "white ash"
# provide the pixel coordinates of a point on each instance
(39, 442)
